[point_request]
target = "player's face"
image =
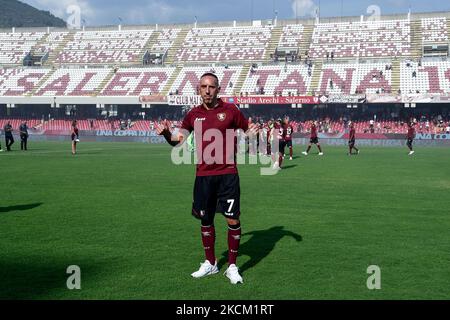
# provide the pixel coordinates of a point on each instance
(209, 89)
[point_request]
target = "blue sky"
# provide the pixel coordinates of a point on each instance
(106, 12)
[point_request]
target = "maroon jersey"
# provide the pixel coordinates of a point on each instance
(411, 132)
(313, 131)
(224, 116)
(74, 132)
(288, 130)
(278, 131)
(351, 135)
(268, 128)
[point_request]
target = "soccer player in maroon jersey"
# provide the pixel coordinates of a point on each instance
(216, 187)
(410, 137)
(74, 137)
(313, 139)
(351, 139)
(288, 130)
(278, 132)
(269, 137)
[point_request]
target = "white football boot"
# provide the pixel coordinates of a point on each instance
(232, 273)
(206, 269)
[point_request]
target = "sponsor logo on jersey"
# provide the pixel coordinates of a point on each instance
(200, 119)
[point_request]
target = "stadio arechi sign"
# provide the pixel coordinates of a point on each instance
(195, 100)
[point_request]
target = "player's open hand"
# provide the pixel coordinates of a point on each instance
(253, 129)
(162, 127)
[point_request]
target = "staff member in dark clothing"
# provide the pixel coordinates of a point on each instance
(9, 139)
(23, 136)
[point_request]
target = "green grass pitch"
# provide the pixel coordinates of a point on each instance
(121, 212)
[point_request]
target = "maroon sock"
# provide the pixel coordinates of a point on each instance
(208, 239)
(290, 152)
(234, 237)
(280, 159)
(320, 149)
(309, 148)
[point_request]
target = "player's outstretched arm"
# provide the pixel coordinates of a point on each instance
(164, 130)
(252, 130)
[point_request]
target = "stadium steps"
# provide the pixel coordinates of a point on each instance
(41, 42)
(104, 82)
(395, 77)
(171, 80)
(448, 25)
(150, 42)
(314, 86)
(273, 42)
(172, 52)
(416, 39)
(41, 82)
(240, 82)
(305, 42)
(55, 53)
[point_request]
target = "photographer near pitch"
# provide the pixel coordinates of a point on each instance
(23, 135)
(9, 139)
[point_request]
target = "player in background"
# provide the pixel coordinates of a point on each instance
(313, 140)
(216, 187)
(269, 137)
(74, 136)
(288, 131)
(410, 137)
(278, 131)
(251, 143)
(351, 139)
(260, 133)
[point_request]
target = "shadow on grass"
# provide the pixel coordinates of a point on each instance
(288, 167)
(21, 207)
(39, 278)
(259, 245)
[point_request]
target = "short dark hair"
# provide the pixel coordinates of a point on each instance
(212, 74)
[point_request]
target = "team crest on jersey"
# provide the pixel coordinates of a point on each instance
(221, 116)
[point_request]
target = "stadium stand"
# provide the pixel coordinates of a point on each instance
(429, 77)
(73, 82)
(138, 81)
(351, 78)
(15, 123)
(383, 38)
(165, 40)
(225, 44)
(100, 47)
(291, 36)
(290, 79)
(434, 30)
(50, 43)
(20, 81)
(16, 45)
(364, 57)
(187, 80)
